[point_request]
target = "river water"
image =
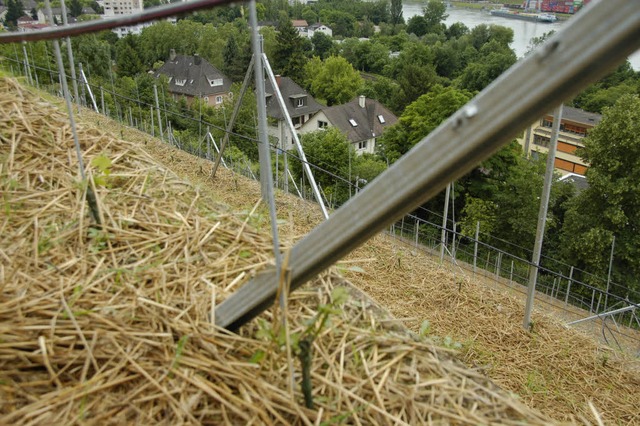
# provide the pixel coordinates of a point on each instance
(523, 31)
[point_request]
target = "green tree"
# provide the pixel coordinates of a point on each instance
(605, 93)
(417, 25)
(322, 44)
(493, 60)
(456, 30)
(75, 8)
(366, 168)
(342, 23)
(94, 54)
(236, 59)
(535, 42)
(127, 60)
(435, 12)
(396, 14)
(330, 150)
(420, 118)
(309, 15)
(335, 81)
(15, 10)
(290, 54)
(610, 206)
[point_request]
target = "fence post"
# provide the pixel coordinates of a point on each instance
(153, 130)
(102, 101)
(475, 248)
(542, 217)
(155, 93)
(593, 297)
(498, 265)
(511, 274)
(417, 222)
(606, 296)
(566, 298)
(553, 289)
(27, 67)
(444, 222)
(72, 66)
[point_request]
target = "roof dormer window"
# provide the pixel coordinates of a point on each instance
(181, 82)
(353, 122)
(381, 119)
(215, 82)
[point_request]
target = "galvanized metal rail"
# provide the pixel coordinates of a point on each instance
(147, 15)
(596, 40)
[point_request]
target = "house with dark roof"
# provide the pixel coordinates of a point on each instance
(301, 106)
(193, 77)
(574, 127)
(362, 120)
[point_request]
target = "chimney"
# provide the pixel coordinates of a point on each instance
(361, 101)
(197, 59)
(278, 79)
(172, 55)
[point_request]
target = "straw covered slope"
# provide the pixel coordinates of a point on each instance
(110, 325)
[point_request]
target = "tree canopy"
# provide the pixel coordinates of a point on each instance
(610, 206)
(333, 80)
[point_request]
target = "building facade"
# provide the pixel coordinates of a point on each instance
(574, 127)
(124, 7)
(194, 77)
(301, 106)
(362, 120)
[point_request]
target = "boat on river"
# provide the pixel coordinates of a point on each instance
(524, 16)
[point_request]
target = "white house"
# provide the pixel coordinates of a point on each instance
(362, 120)
(312, 29)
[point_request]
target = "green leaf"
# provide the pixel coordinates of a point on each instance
(257, 357)
(102, 163)
(425, 328)
(339, 296)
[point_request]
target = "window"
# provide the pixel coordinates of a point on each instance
(322, 124)
(362, 145)
(206, 99)
(218, 99)
(215, 82)
(547, 123)
(181, 82)
(381, 119)
(541, 141)
(353, 122)
(300, 103)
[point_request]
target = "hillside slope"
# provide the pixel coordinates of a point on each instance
(555, 369)
(110, 324)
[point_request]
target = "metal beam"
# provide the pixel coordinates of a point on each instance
(148, 15)
(589, 47)
(604, 314)
(294, 136)
(234, 115)
(542, 217)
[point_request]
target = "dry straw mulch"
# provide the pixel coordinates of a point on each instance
(556, 370)
(111, 324)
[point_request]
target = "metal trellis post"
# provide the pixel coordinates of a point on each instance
(542, 216)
